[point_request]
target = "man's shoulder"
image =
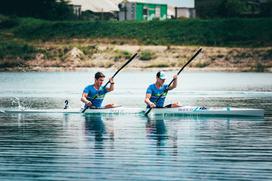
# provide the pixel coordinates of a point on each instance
(151, 85)
(150, 88)
(89, 87)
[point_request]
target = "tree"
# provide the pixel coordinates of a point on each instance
(44, 9)
(266, 8)
(207, 8)
(232, 8)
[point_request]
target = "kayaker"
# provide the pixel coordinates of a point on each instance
(93, 95)
(156, 89)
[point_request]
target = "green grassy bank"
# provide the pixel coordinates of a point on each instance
(211, 32)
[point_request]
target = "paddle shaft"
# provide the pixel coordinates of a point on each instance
(191, 59)
(131, 58)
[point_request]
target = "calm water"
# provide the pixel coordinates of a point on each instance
(133, 147)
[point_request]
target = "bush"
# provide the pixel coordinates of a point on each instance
(146, 55)
(268, 55)
(54, 53)
(7, 22)
(14, 50)
(120, 54)
(11, 63)
(259, 67)
(202, 64)
(160, 65)
(89, 50)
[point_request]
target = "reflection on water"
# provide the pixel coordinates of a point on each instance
(95, 126)
(85, 147)
(156, 129)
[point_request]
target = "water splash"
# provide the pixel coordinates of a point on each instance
(16, 101)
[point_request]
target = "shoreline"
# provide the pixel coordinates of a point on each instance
(80, 69)
(72, 57)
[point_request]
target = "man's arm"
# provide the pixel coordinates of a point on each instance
(111, 88)
(147, 100)
(85, 100)
(174, 84)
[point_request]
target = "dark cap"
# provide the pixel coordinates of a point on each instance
(98, 75)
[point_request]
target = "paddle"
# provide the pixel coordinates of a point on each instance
(191, 59)
(131, 58)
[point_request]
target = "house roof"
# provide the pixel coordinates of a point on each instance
(174, 3)
(96, 6)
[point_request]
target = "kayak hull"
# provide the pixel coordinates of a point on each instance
(211, 111)
(184, 110)
(115, 110)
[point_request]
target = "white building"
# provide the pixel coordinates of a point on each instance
(176, 8)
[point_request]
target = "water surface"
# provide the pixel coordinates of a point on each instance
(133, 147)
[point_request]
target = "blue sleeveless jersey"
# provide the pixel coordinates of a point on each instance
(155, 93)
(99, 94)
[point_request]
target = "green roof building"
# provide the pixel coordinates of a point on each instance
(142, 11)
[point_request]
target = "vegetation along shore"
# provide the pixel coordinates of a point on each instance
(235, 44)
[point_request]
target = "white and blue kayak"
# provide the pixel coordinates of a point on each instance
(208, 111)
(115, 110)
(183, 110)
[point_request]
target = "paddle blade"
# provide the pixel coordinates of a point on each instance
(146, 112)
(84, 109)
